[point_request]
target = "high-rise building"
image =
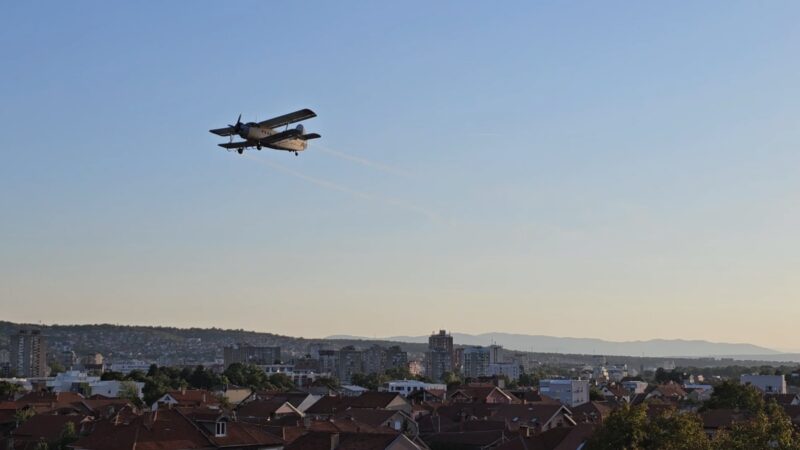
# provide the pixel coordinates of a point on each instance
(476, 360)
(374, 359)
(350, 363)
(396, 358)
(441, 341)
(28, 354)
(251, 354)
(440, 355)
(329, 362)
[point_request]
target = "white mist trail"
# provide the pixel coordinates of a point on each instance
(399, 204)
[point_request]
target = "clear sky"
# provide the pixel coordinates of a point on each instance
(615, 170)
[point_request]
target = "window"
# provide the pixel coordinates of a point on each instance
(221, 429)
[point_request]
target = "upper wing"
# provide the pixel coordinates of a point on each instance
(227, 131)
(277, 137)
(286, 119)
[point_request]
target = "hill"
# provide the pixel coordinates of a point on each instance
(588, 346)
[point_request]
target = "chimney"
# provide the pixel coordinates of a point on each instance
(334, 441)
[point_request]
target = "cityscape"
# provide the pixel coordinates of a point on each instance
(343, 395)
(407, 225)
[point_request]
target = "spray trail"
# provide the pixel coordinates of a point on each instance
(363, 161)
(354, 192)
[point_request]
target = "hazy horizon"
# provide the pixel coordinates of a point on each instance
(619, 171)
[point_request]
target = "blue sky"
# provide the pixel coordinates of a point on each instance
(618, 170)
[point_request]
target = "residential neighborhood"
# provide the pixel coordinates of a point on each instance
(369, 398)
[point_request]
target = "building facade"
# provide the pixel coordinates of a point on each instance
(251, 354)
(28, 354)
(475, 362)
(569, 392)
(769, 384)
(440, 355)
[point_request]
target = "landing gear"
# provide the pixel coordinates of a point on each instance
(241, 150)
(258, 147)
(295, 153)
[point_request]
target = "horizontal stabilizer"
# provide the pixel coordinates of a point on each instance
(309, 136)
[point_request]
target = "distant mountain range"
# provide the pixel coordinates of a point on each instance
(587, 346)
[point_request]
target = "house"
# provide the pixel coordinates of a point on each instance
(481, 393)
(173, 429)
(768, 384)
(407, 387)
(43, 427)
(467, 440)
(186, 398)
(352, 441)
(568, 392)
(233, 394)
(261, 411)
(593, 412)
(569, 438)
(393, 419)
(532, 417)
(669, 391)
(716, 419)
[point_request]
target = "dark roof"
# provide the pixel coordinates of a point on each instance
(592, 412)
(561, 438)
(476, 438)
(45, 426)
(261, 409)
(721, 418)
(372, 400)
(347, 441)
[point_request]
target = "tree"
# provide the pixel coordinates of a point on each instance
(732, 395)
(281, 381)
(56, 368)
(674, 430)
(68, 435)
(596, 394)
(23, 415)
(9, 390)
(112, 376)
(664, 376)
(625, 429)
(527, 379)
(129, 391)
(769, 428)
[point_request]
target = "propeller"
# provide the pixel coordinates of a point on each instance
(237, 127)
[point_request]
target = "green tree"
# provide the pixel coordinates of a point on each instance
(56, 368)
(624, 429)
(732, 395)
(41, 445)
(112, 376)
(674, 430)
(9, 390)
(68, 435)
(769, 428)
(281, 381)
(596, 394)
(23, 415)
(129, 391)
(630, 428)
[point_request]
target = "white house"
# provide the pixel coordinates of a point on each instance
(769, 384)
(405, 387)
(568, 392)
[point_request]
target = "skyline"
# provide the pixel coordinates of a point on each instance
(616, 171)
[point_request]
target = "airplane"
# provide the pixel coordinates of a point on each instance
(266, 133)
